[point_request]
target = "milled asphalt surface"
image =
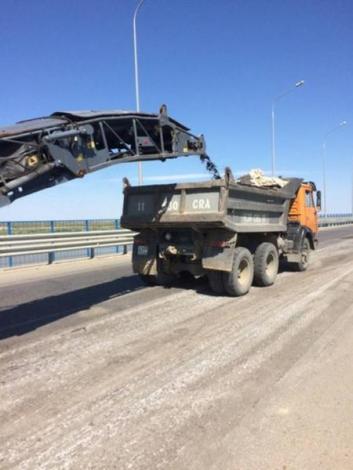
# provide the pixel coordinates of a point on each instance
(97, 371)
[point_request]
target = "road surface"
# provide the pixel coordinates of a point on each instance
(97, 371)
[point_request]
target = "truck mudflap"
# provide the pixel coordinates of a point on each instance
(144, 254)
(293, 257)
(218, 250)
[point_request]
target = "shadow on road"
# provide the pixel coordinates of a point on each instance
(26, 317)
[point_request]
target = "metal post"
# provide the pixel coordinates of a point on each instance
(324, 177)
(117, 226)
(273, 140)
(343, 123)
(9, 232)
(352, 193)
(277, 98)
(90, 251)
(51, 254)
(137, 84)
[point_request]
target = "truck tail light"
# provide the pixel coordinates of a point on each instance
(218, 244)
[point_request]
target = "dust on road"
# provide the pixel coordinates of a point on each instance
(188, 380)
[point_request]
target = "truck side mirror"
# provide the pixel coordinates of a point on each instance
(318, 200)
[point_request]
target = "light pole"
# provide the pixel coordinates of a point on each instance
(137, 85)
(343, 123)
(275, 100)
(352, 193)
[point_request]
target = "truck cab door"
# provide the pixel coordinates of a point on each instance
(310, 211)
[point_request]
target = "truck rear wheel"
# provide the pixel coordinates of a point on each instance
(239, 280)
(265, 264)
(215, 280)
(303, 264)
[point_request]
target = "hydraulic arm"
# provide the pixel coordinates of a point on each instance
(40, 153)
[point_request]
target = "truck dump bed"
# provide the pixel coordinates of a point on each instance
(211, 204)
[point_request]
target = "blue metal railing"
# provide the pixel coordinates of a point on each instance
(89, 225)
(57, 226)
(54, 226)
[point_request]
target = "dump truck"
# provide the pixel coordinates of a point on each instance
(234, 232)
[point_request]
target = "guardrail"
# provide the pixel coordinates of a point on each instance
(332, 220)
(50, 244)
(50, 241)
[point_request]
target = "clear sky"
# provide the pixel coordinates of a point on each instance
(216, 64)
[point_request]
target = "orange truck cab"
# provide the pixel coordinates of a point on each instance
(303, 218)
(304, 209)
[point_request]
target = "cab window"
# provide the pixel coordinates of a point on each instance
(309, 201)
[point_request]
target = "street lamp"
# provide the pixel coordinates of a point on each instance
(352, 196)
(275, 100)
(341, 124)
(137, 85)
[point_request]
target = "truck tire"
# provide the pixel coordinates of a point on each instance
(266, 262)
(303, 264)
(215, 280)
(239, 280)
